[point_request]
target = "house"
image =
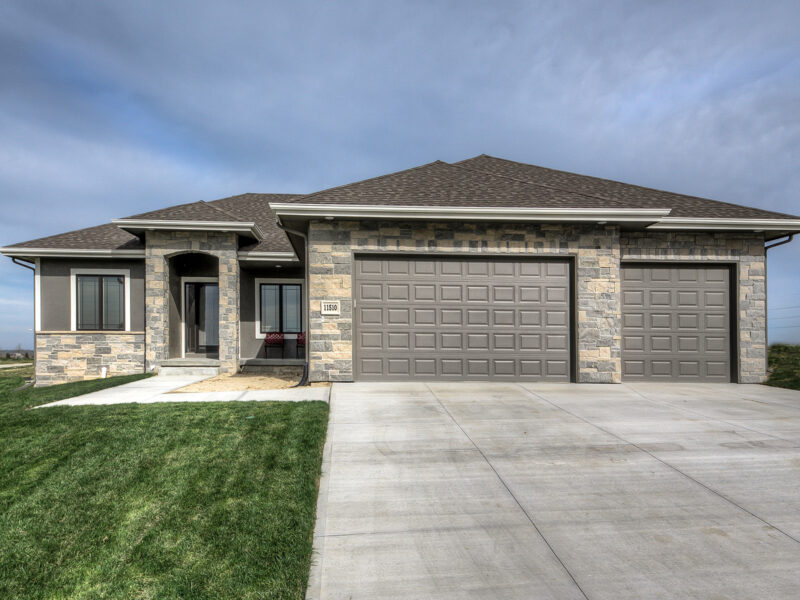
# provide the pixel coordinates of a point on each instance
(481, 269)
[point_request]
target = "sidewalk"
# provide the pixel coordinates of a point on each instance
(157, 389)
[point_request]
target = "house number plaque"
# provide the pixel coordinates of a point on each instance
(330, 307)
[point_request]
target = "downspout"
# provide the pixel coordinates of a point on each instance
(788, 239)
(15, 260)
(304, 379)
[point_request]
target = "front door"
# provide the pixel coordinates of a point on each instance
(201, 318)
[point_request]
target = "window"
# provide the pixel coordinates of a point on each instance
(281, 308)
(100, 302)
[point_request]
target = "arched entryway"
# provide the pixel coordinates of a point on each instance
(194, 306)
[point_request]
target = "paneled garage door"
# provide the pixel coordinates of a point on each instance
(676, 323)
(424, 318)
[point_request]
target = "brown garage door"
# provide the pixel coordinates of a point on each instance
(676, 323)
(424, 318)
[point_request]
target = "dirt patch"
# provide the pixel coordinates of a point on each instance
(243, 382)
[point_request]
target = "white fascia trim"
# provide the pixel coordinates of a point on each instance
(746, 224)
(258, 282)
(73, 293)
(154, 224)
(72, 253)
(283, 209)
(272, 256)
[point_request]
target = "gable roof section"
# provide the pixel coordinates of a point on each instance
(192, 211)
(447, 185)
(106, 237)
(109, 239)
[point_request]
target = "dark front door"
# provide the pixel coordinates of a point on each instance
(201, 315)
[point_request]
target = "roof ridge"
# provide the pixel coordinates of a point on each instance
(338, 187)
(614, 181)
(533, 183)
(163, 208)
(224, 212)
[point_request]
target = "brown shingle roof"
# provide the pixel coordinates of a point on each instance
(255, 207)
(483, 181)
(101, 237)
(629, 195)
(193, 211)
(443, 184)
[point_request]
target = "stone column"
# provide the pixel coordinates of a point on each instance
(156, 297)
(599, 306)
(229, 306)
(162, 245)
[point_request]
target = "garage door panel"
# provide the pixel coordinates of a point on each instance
(675, 323)
(475, 318)
(424, 293)
(424, 268)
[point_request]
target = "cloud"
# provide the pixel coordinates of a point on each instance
(109, 109)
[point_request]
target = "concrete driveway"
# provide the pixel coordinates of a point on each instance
(477, 490)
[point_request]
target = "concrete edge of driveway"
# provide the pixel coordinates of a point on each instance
(314, 586)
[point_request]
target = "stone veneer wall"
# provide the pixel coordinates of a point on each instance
(747, 251)
(162, 245)
(73, 356)
(595, 248)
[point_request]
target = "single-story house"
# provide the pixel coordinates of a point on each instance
(484, 269)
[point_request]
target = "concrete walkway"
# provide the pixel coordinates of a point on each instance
(480, 490)
(16, 365)
(157, 389)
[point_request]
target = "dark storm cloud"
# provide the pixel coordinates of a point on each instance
(108, 109)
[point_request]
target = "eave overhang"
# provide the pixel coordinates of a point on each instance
(646, 218)
(461, 213)
(243, 255)
(256, 256)
(137, 226)
(792, 225)
(71, 253)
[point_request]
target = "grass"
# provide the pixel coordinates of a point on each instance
(784, 366)
(155, 501)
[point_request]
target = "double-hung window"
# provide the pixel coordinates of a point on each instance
(100, 302)
(281, 308)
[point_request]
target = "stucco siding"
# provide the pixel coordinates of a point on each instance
(252, 346)
(56, 292)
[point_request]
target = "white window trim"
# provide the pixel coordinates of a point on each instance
(259, 281)
(184, 281)
(73, 278)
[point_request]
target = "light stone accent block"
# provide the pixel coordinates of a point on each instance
(75, 356)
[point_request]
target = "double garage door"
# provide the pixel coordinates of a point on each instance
(495, 319)
(462, 319)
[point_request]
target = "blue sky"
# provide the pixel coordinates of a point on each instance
(114, 108)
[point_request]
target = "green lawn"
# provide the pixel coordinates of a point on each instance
(155, 501)
(784, 365)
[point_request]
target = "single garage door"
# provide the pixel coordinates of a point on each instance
(425, 318)
(676, 323)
